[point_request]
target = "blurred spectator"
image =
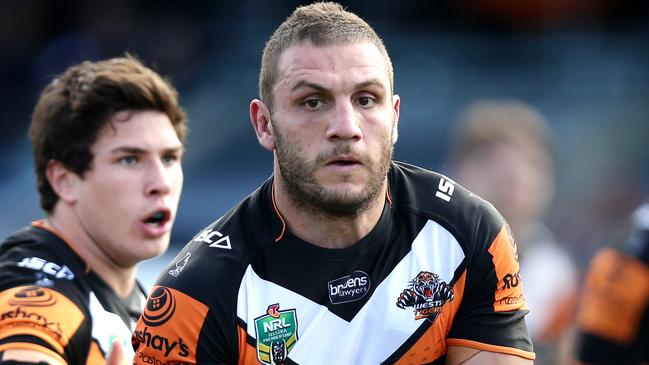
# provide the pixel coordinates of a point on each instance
(613, 317)
(502, 152)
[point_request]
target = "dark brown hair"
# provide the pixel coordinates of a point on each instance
(75, 107)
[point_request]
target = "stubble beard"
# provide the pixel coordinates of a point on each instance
(304, 191)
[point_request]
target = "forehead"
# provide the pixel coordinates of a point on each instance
(143, 129)
(350, 62)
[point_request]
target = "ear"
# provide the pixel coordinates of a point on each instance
(63, 181)
(260, 119)
(396, 104)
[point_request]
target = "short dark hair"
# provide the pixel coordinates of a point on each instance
(75, 107)
(321, 23)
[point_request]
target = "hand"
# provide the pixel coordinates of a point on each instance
(116, 355)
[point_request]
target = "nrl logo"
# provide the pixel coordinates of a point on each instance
(426, 294)
(276, 334)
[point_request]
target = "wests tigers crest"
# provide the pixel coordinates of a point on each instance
(426, 293)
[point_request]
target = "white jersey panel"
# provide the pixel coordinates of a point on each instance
(323, 336)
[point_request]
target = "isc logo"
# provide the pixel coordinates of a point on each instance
(50, 268)
(214, 238)
(445, 188)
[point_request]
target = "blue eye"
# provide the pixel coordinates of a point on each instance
(128, 160)
(169, 158)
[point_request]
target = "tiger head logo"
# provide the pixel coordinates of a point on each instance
(426, 293)
(426, 284)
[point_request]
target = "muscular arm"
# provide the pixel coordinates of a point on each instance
(460, 355)
(24, 356)
(29, 357)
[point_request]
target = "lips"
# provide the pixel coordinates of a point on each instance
(157, 222)
(344, 161)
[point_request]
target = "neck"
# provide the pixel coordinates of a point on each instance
(323, 229)
(67, 225)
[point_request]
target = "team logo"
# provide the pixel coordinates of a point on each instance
(180, 265)
(33, 296)
(160, 307)
(349, 288)
(426, 293)
(276, 334)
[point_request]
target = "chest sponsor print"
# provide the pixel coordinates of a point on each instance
(349, 288)
(276, 334)
(426, 294)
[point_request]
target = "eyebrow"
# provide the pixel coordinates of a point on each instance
(371, 82)
(139, 151)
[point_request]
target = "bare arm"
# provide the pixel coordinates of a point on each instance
(29, 356)
(115, 357)
(460, 355)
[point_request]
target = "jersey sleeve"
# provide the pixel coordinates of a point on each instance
(39, 318)
(491, 316)
(189, 317)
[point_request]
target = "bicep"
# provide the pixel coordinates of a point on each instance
(29, 356)
(461, 355)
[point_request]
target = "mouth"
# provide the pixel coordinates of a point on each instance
(428, 292)
(344, 161)
(158, 218)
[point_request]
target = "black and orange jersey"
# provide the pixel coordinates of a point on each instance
(50, 301)
(614, 313)
(438, 269)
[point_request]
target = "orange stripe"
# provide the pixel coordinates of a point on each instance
(387, 196)
(508, 296)
(431, 345)
(281, 235)
(491, 348)
(28, 331)
(95, 355)
(247, 353)
(170, 313)
(40, 312)
(41, 224)
(33, 347)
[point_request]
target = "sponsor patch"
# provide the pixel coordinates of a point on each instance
(276, 334)
(349, 288)
(426, 293)
(160, 307)
(40, 312)
(33, 296)
(163, 336)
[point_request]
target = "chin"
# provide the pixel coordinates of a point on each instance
(155, 247)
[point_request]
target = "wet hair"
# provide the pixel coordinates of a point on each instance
(322, 24)
(75, 107)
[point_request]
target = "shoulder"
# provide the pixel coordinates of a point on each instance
(224, 249)
(33, 256)
(41, 294)
(434, 196)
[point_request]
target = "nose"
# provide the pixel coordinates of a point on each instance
(345, 123)
(158, 179)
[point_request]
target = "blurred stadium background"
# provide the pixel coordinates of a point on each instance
(583, 63)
